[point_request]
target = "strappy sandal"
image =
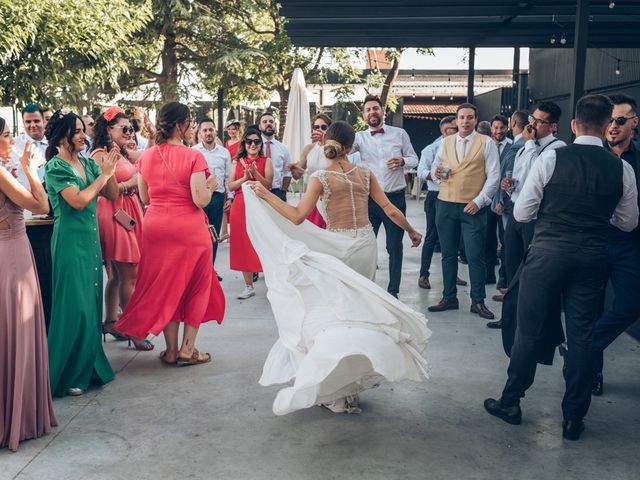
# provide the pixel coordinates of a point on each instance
(163, 359)
(143, 346)
(194, 359)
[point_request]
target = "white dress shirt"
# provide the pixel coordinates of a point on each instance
(527, 156)
(219, 162)
(491, 166)
(38, 162)
(376, 150)
(625, 216)
(427, 156)
(280, 157)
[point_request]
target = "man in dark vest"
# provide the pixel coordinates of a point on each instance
(575, 192)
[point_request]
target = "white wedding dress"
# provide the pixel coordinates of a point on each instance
(339, 332)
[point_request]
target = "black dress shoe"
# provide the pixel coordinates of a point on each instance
(512, 415)
(423, 282)
(393, 294)
(482, 310)
(460, 282)
(496, 324)
(598, 385)
(463, 260)
(219, 277)
(571, 429)
(445, 304)
(256, 276)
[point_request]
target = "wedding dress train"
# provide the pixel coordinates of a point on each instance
(339, 332)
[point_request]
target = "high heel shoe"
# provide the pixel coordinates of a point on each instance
(106, 330)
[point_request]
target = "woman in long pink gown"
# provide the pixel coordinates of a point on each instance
(26, 408)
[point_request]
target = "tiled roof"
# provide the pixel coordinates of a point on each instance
(429, 109)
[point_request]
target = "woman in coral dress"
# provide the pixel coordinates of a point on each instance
(26, 408)
(248, 165)
(176, 282)
(120, 247)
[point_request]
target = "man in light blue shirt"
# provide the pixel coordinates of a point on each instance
(427, 157)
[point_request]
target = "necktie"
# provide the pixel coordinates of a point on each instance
(376, 132)
(499, 145)
(267, 149)
(464, 148)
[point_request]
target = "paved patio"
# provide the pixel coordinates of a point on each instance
(215, 421)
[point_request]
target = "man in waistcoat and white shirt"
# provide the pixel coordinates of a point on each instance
(278, 153)
(468, 168)
(387, 151)
(575, 193)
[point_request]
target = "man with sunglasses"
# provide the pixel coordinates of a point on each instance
(278, 153)
(623, 248)
(539, 138)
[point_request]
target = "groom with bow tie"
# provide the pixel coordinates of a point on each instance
(387, 151)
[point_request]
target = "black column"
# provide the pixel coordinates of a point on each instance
(516, 80)
(580, 51)
(472, 74)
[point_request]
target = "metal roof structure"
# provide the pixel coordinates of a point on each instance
(459, 23)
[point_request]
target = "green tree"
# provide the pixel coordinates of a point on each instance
(54, 52)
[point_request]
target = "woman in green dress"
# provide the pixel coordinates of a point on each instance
(73, 182)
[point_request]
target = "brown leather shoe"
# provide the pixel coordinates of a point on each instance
(482, 310)
(445, 305)
(498, 298)
(423, 282)
(460, 282)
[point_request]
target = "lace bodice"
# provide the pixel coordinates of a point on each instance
(345, 198)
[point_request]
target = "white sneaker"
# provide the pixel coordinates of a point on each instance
(248, 292)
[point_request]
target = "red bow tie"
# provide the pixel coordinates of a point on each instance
(376, 132)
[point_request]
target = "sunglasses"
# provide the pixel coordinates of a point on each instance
(322, 127)
(126, 130)
(255, 142)
(621, 120)
(534, 120)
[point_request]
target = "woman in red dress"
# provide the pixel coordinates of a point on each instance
(234, 130)
(120, 247)
(176, 281)
(248, 165)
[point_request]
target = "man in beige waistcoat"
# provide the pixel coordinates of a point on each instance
(468, 167)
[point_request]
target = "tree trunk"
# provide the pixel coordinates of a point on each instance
(283, 94)
(389, 81)
(168, 82)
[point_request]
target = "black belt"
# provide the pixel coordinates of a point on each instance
(397, 192)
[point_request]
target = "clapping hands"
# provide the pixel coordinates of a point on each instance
(108, 163)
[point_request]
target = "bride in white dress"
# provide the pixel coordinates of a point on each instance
(339, 332)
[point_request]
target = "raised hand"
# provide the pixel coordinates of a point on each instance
(28, 156)
(108, 164)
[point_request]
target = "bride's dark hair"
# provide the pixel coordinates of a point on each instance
(339, 137)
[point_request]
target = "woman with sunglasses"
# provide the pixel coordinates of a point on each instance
(249, 165)
(120, 243)
(313, 159)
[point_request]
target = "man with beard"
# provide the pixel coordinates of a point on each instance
(386, 150)
(33, 121)
(278, 153)
(499, 126)
(623, 248)
(219, 163)
(468, 168)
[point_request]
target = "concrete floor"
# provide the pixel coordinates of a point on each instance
(215, 421)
